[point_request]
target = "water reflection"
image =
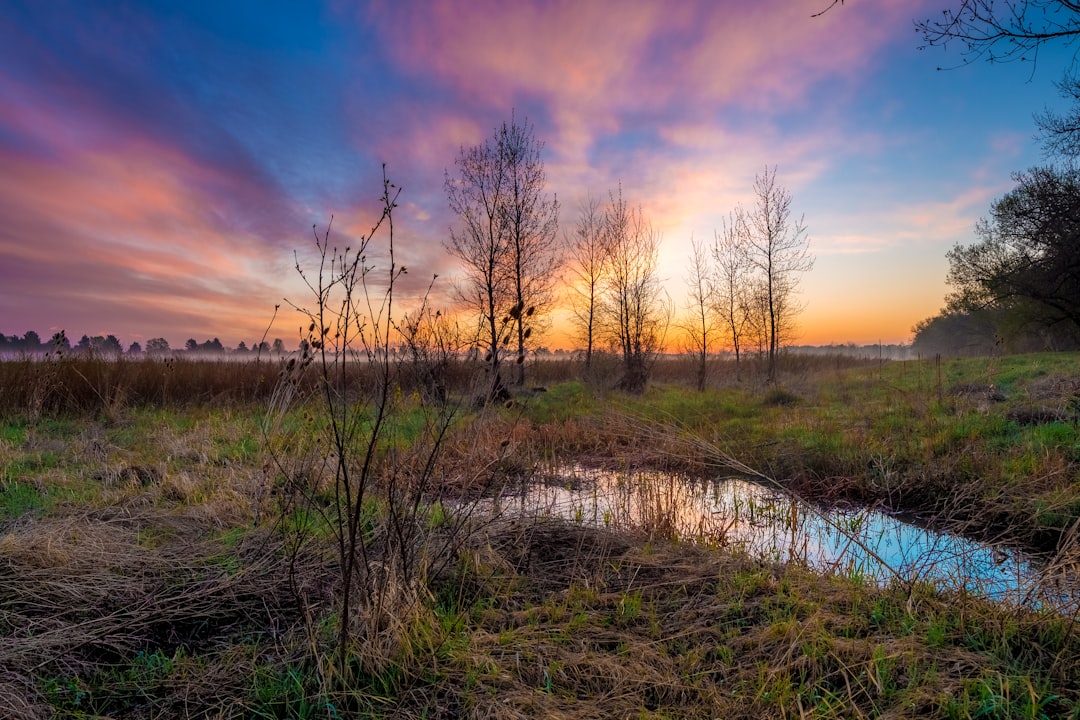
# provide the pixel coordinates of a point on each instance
(770, 524)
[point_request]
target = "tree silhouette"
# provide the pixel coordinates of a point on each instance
(504, 240)
(778, 248)
(587, 257)
(1028, 254)
(1003, 30)
(157, 346)
(635, 312)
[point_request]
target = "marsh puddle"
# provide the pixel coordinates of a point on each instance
(770, 524)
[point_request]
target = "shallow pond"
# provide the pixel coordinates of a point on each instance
(771, 524)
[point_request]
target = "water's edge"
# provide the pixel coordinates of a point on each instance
(773, 525)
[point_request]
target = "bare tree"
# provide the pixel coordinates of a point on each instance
(587, 258)
(505, 241)
(755, 310)
(997, 30)
(636, 309)
(730, 281)
(1003, 30)
(700, 325)
(779, 249)
(1060, 132)
(334, 473)
(531, 221)
(430, 342)
(477, 196)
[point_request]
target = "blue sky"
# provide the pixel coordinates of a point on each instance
(163, 160)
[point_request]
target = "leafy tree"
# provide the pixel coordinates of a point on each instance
(157, 346)
(110, 345)
(1027, 258)
(134, 348)
(192, 345)
(31, 342)
(100, 345)
(279, 347)
(986, 331)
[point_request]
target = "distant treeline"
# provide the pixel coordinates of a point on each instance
(109, 345)
(878, 351)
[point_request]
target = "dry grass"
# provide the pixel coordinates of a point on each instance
(80, 595)
(581, 623)
(150, 579)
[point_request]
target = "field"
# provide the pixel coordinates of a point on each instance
(211, 539)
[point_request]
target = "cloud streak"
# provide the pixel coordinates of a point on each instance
(160, 167)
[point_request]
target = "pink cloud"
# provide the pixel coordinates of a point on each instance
(595, 65)
(131, 233)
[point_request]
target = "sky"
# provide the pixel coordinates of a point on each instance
(163, 165)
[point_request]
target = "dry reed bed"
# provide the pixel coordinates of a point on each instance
(82, 594)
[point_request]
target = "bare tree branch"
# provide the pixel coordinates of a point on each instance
(1002, 31)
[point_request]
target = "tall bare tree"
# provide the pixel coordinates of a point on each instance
(587, 258)
(731, 288)
(636, 308)
(779, 249)
(699, 326)
(531, 220)
(755, 310)
(505, 241)
(477, 195)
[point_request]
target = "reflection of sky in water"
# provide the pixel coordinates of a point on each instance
(770, 524)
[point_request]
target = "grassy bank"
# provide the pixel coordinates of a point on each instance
(149, 563)
(989, 447)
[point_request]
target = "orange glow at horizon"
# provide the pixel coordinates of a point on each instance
(161, 189)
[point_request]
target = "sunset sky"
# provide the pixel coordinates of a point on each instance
(161, 161)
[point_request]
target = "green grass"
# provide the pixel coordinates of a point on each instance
(851, 423)
(147, 570)
(13, 433)
(20, 499)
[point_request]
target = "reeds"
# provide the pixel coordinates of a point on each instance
(149, 579)
(82, 598)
